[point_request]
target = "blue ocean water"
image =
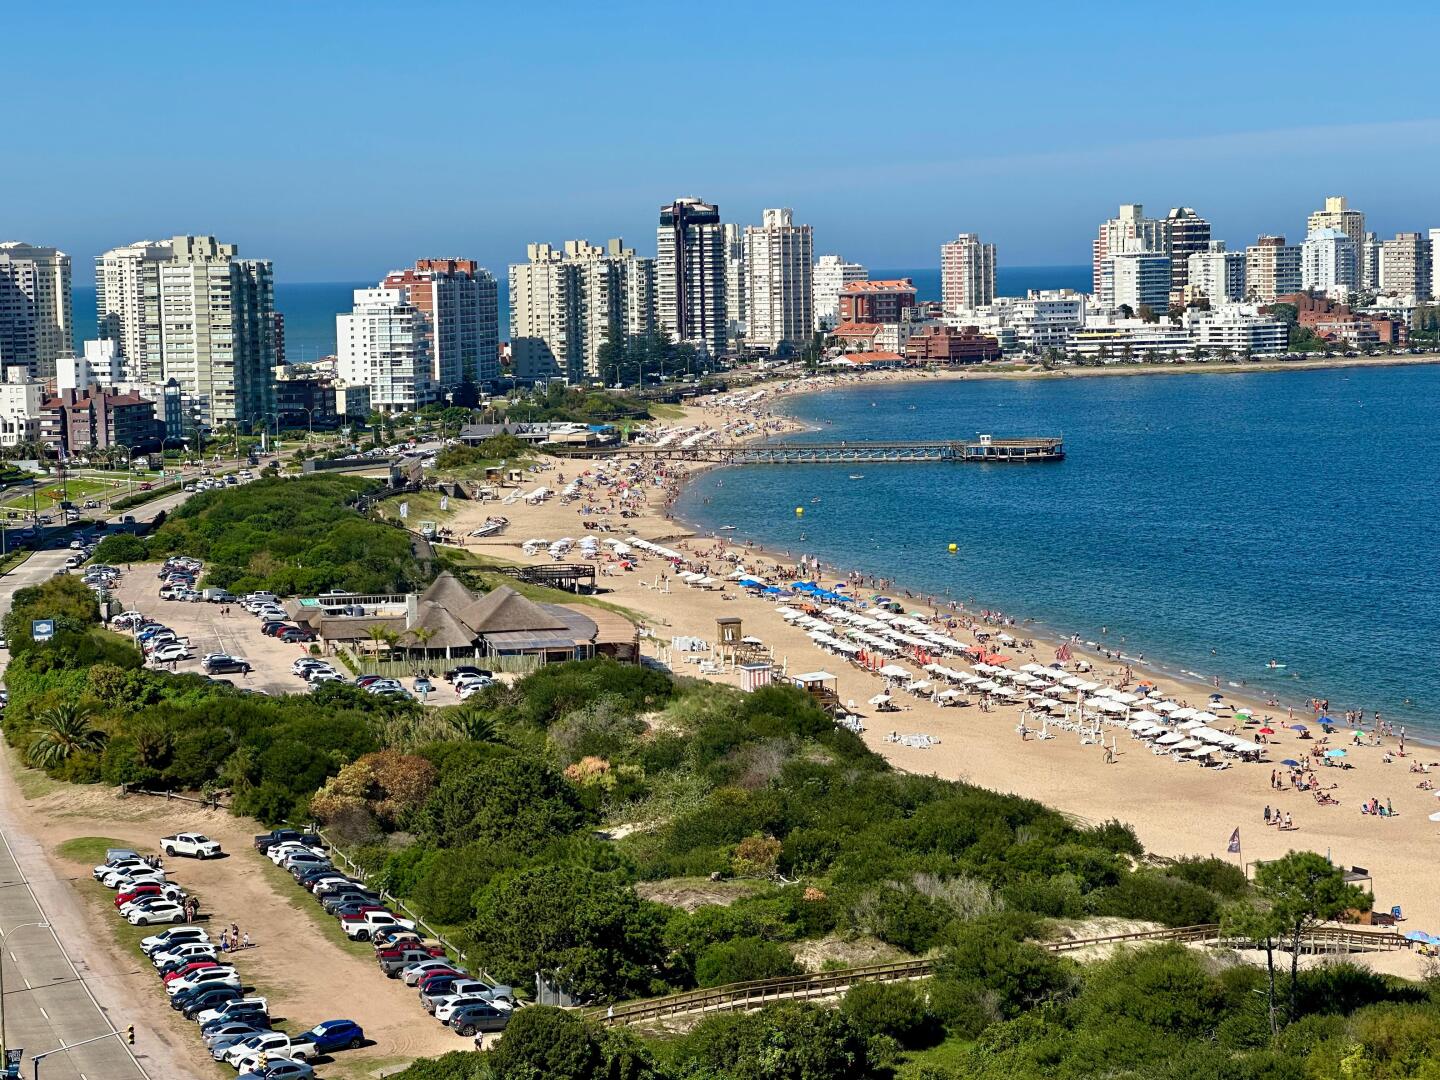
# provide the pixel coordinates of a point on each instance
(310, 307)
(1210, 522)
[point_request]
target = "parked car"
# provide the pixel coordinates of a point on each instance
(227, 1033)
(166, 911)
(196, 845)
(394, 961)
(172, 652)
(466, 669)
(227, 665)
(254, 1009)
(170, 892)
(349, 903)
(478, 1017)
(283, 1069)
(265, 841)
(167, 940)
(212, 975)
(193, 1003)
(293, 635)
(412, 974)
(327, 1037)
(188, 968)
(244, 1054)
(190, 950)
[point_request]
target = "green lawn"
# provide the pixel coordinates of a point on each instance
(424, 506)
(91, 849)
(478, 565)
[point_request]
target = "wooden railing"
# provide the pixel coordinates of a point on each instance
(752, 995)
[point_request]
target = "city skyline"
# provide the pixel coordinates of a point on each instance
(316, 188)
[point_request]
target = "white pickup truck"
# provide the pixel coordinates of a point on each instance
(197, 845)
(364, 927)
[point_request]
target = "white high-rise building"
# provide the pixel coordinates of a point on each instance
(384, 343)
(98, 365)
(779, 301)
(1434, 237)
(736, 317)
(828, 279)
(1370, 263)
(690, 279)
(458, 298)
(567, 303)
(1136, 278)
(1217, 274)
(190, 310)
(1131, 230)
(35, 319)
(1329, 263)
(967, 274)
(1405, 265)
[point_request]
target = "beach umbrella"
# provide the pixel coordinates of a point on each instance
(1267, 731)
(894, 671)
(1417, 935)
(1435, 816)
(1298, 727)
(1186, 744)
(1290, 761)
(1216, 697)
(1335, 753)
(1204, 751)
(880, 699)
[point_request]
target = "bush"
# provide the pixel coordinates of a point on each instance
(1147, 894)
(119, 548)
(1017, 975)
(899, 1010)
(743, 960)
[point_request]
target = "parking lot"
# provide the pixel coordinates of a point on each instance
(230, 629)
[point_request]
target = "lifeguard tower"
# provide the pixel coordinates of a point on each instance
(728, 636)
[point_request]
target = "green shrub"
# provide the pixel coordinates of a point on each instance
(899, 1010)
(743, 960)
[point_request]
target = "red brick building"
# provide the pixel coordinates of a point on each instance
(941, 344)
(1336, 322)
(76, 421)
(876, 301)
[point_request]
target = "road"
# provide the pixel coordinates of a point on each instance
(48, 1001)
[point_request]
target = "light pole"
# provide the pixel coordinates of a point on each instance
(4, 946)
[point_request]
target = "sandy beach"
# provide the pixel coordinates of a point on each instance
(1177, 808)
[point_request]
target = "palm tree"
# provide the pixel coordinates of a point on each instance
(61, 731)
(472, 724)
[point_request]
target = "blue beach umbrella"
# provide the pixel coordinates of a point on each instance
(1335, 753)
(1298, 727)
(1290, 761)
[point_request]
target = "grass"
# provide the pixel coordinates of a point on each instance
(14, 559)
(424, 506)
(948, 1055)
(661, 411)
(90, 849)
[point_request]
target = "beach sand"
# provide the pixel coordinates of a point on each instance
(1176, 809)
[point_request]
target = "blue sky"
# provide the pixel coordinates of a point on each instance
(341, 139)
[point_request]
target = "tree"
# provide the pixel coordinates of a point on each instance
(1294, 894)
(542, 1043)
(585, 932)
(1148, 314)
(781, 1042)
(516, 800)
(742, 960)
(60, 732)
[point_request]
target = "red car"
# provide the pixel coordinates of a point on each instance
(126, 895)
(188, 969)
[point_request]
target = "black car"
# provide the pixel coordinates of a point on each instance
(465, 669)
(193, 1002)
(270, 629)
(225, 665)
(291, 634)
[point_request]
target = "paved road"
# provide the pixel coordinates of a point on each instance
(47, 1003)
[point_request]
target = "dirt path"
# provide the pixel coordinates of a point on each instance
(301, 961)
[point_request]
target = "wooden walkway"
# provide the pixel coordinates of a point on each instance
(746, 996)
(982, 450)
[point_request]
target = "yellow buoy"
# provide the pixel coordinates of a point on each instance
(954, 548)
(799, 511)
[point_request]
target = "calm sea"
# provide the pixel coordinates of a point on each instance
(1212, 523)
(310, 307)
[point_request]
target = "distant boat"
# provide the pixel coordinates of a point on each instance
(857, 476)
(727, 528)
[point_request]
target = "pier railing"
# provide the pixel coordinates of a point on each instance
(1003, 451)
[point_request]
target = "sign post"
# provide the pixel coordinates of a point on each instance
(42, 629)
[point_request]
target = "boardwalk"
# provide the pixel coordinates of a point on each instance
(982, 450)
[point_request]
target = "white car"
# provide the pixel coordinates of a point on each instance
(171, 652)
(134, 875)
(190, 951)
(278, 853)
(104, 870)
(416, 971)
(245, 1055)
(215, 976)
(282, 1069)
(226, 1009)
(194, 844)
(173, 938)
(169, 911)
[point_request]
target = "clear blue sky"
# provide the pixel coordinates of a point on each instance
(342, 139)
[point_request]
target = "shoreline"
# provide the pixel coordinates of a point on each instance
(789, 391)
(1176, 808)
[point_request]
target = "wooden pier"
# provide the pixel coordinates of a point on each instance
(985, 449)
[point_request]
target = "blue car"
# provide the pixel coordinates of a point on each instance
(329, 1036)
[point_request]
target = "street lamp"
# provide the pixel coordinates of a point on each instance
(4, 946)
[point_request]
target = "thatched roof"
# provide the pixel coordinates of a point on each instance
(504, 610)
(448, 591)
(446, 631)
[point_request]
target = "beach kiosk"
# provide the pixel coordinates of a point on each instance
(754, 676)
(822, 688)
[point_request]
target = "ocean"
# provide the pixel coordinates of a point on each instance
(310, 307)
(1212, 523)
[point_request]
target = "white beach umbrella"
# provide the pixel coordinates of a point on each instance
(1146, 714)
(1186, 713)
(894, 671)
(1186, 744)
(1206, 717)
(880, 699)
(1169, 739)
(1143, 723)
(1204, 751)
(1165, 706)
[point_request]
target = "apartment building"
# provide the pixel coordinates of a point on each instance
(1329, 263)
(459, 299)
(690, 275)
(1136, 278)
(1405, 265)
(1216, 274)
(779, 295)
(1336, 214)
(829, 276)
(190, 309)
(1186, 234)
(967, 274)
(1272, 268)
(876, 301)
(36, 326)
(1130, 230)
(383, 342)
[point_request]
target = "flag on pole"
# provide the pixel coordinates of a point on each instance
(1234, 848)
